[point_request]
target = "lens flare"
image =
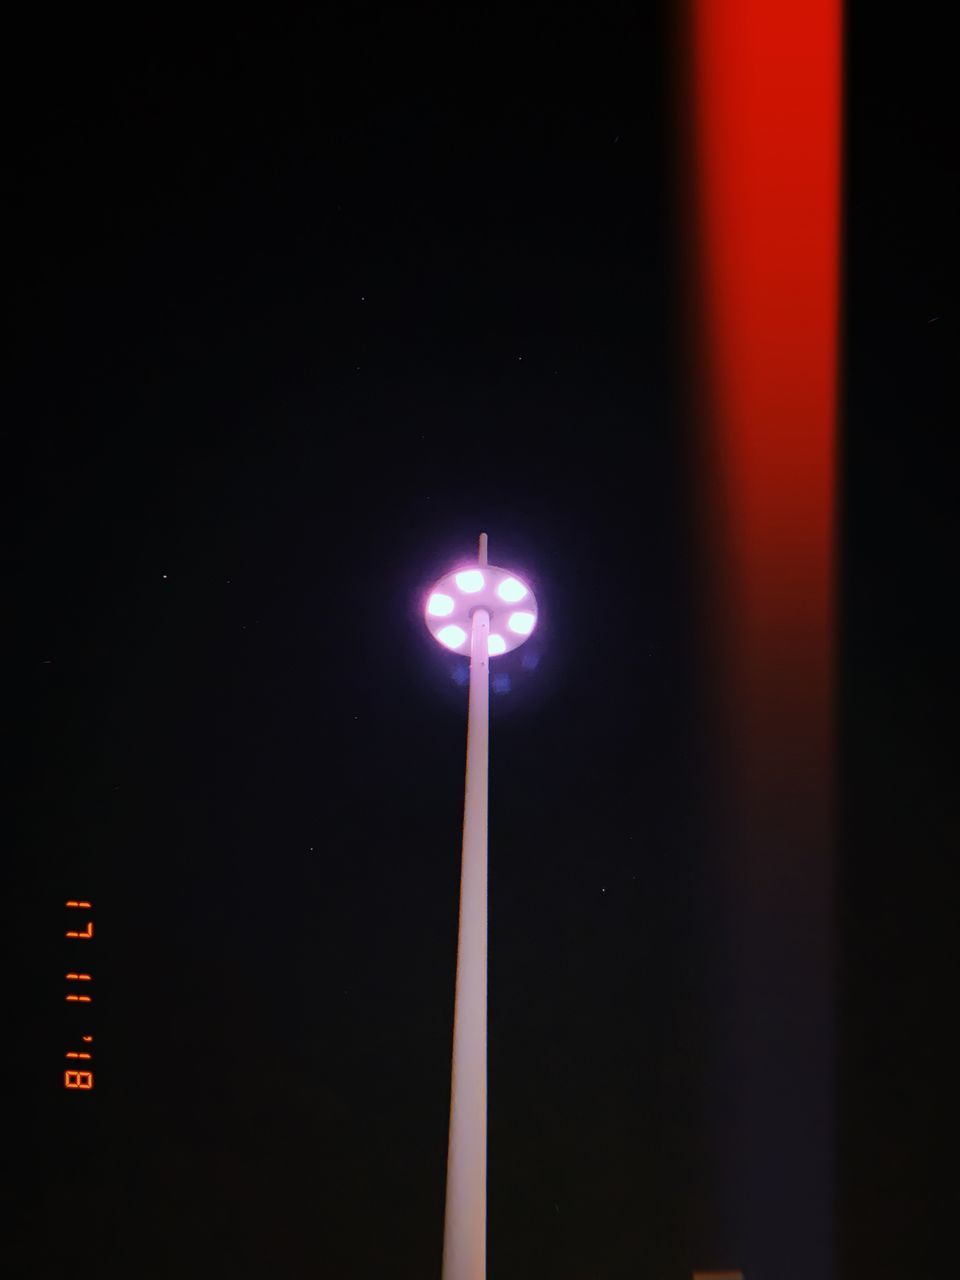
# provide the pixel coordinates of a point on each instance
(452, 637)
(439, 605)
(521, 624)
(511, 590)
(469, 581)
(496, 645)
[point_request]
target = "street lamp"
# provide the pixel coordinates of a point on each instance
(487, 611)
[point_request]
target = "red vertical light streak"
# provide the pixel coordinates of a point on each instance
(765, 107)
(767, 115)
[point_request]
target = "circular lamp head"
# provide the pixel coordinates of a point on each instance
(508, 600)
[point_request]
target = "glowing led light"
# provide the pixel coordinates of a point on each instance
(79, 1055)
(511, 590)
(521, 624)
(452, 637)
(71, 903)
(495, 645)
(78, 1079)
(439, 605)
(469, 581)
(72, 933)
(78, 999)
(78, 977)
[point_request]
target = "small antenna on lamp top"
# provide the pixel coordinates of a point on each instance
(483, 549)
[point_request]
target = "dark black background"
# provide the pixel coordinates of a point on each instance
(298, 306)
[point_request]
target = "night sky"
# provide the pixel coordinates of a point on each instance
(296, 308)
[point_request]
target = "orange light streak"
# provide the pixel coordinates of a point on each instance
(78, 1079)
(74, 1054)
(88, 933)
(79, 999)
(78, 977)
(71, 903)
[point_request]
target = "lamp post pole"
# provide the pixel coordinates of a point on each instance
(500, 612)
(465, 1222)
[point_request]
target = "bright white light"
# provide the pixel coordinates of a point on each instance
(452, 637)
(439, 605)
(496, 644)
(469, 581)
(521, 624)
(511, 590)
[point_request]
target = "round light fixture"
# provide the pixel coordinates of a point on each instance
(450, 604)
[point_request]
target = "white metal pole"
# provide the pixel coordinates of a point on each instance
(465, 1219)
